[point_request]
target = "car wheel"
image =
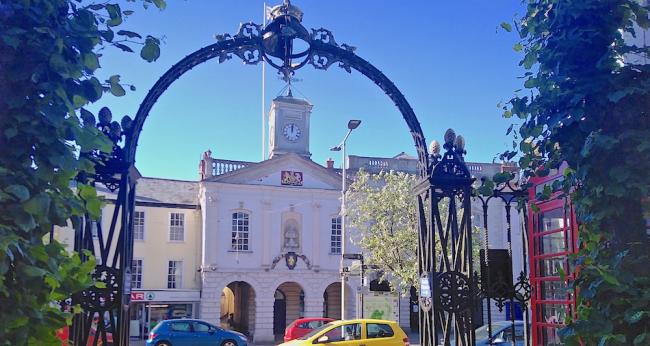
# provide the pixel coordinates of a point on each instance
(164, 343)
(229, 343)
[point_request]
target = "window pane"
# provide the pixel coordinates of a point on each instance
(552, 243)
(551, 220)
(174, 274)
(240, 231)
(345, 333)
(335, 237)
(136, 273)
(552, 313)
(177, 227)
(377, 330)
(180, 326)
(138, 225)
(553, 290)
(551, 266)
(201, 327)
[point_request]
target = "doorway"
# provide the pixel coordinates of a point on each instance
(279, 313)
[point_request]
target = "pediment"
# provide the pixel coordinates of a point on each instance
(288, 170)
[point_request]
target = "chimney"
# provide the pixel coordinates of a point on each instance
(330, 163)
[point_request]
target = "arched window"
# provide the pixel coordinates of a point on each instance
(240, 231)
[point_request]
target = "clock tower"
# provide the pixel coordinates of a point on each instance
(289, 126)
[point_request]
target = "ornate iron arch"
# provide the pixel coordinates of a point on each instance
(107, 311)
(250, 44)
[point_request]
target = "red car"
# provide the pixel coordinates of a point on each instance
(303, 326)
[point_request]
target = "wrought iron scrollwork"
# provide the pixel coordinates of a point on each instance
(454, 291)
(523, 289)
(107, 296)
(249, 30)
(323, 36)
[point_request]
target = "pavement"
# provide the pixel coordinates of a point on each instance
(414, 338)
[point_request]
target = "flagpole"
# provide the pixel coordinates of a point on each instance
(264, 95)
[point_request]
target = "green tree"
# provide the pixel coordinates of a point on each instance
(382, 208)
(588, 105)
(49, 56)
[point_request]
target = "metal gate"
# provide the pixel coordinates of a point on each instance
(106, 306)
(452, 286)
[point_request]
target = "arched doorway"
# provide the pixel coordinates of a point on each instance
(279, 312)
(332, 300)
(238, 307)
(289, 305)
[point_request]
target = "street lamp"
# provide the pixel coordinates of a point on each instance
(359, 257)
(352, 124)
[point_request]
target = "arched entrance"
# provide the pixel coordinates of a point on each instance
(238, 307)
(279, 312)
(253, 43)
(332, 300)
(288, 306)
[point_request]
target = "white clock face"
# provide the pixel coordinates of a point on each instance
(291, 132)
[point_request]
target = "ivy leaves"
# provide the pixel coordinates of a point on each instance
(588, 107)
(51, 50)
(125, 39)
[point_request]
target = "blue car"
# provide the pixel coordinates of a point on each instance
(189, 332)
(501, 334)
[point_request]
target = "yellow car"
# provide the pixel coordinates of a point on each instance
(362, 332)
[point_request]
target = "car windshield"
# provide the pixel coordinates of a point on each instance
(314, 332)
(482, 332)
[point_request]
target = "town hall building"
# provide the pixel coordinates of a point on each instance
(271, 244)
(252, 246)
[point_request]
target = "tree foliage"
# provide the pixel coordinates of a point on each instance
(587, 104)
(382, 208)
(50, 51)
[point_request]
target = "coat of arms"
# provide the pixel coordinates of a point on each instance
(292, 259)
(291, 178)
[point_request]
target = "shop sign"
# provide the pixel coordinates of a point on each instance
(165, 296)
(141, 296)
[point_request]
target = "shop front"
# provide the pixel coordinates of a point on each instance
(152, 306)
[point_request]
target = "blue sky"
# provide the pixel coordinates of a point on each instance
(448, 58)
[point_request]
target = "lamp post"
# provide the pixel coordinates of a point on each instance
(352, 124)
(358, 256)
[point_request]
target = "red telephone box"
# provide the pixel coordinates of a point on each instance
(552, 237)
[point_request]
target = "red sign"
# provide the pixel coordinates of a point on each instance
(137, 296)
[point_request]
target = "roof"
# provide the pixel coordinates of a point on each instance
(159, 190)
(291, 99)
(167, 191)
(277, 164)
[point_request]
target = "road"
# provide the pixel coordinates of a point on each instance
(414, 338)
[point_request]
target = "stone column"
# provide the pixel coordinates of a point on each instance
(210, 310)
(210, 228)
(263, 332)
(316, 235)
(266, 233)
(314, 304)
